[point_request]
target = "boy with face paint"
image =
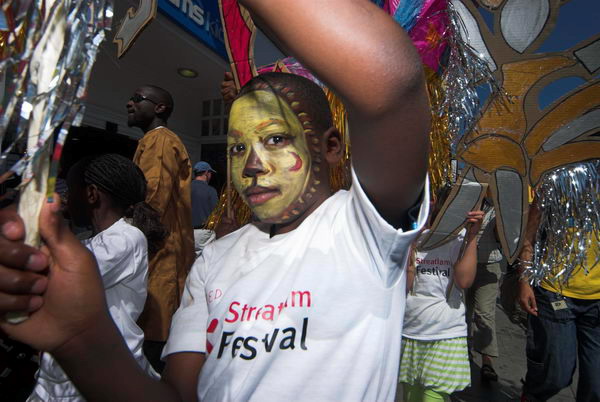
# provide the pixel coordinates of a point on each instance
(281, 308)
(316, 275)
(275, 151)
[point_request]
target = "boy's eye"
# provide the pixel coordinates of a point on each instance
(237, 149)
(275, 140)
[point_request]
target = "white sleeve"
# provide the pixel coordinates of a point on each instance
(114, 254)
(188, 326)
(388, 244)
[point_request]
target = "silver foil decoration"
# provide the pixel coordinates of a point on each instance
(570, 223)
(466, 71)
(86, 23)
(47, 50)
(47, 57)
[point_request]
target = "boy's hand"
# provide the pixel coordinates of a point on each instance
(65, 301)
(20, 289)
(228, 89)
(474, 220)
(527, 298)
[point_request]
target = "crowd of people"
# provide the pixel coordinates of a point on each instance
(322, 296)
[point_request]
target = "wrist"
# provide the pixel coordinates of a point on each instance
(473, 232)
(524, 279)
(93, 342)
(471, 240)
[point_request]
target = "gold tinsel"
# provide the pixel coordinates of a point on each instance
(440, 160)
(239, 209)
(339, 175)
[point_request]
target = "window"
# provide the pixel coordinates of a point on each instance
(205, 127)
(214, 121)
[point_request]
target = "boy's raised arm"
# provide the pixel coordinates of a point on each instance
(366, 57)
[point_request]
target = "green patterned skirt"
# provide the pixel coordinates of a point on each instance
(440, 365)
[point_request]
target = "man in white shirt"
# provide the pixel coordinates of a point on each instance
(280, 309)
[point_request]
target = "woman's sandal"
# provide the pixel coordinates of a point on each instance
(488, 373)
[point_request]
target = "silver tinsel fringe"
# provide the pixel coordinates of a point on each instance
(570, 223)
(87, 22)
(465, 72)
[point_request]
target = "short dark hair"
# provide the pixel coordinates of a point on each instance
(301, 94)
(163, 96)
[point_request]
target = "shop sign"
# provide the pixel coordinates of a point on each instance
(200, 18)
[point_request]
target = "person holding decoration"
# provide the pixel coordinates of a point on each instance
(279, 308)
(481, 296)
(107, 192)
(435, 357)
(560, 289)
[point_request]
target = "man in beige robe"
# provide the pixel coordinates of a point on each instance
(165, 162)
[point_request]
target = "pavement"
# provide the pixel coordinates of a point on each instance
(511, 367)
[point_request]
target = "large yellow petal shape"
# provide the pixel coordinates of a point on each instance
(494, 152)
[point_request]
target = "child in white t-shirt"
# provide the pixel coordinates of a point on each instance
(103, 192)
(278, 309)
(435, 360)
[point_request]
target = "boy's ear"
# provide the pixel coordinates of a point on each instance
(92, 194)
(334, 149)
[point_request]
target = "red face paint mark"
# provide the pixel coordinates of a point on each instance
(298, 164)
(211, 328)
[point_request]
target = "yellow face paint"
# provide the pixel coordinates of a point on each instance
(270, 160)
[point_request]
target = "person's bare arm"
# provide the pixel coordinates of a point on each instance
(411, 268)
(103, 369)
(465, 268)
(182, 371)
(526, 295)
(68, 313)
(364, 56)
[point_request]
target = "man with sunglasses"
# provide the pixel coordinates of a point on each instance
(165, 162)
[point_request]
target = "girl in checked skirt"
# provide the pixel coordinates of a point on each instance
(435, 361)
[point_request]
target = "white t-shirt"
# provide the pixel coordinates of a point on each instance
(121, 252)
(314, 314)
(435, 308)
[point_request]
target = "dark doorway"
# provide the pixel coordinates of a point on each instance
(216, 156)
(86, 141)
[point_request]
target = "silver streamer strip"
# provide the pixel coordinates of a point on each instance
(87, 22)
(570, 223)
(466, 71)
